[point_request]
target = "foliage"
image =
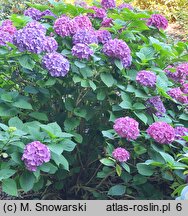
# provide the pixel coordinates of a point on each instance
(85, 104)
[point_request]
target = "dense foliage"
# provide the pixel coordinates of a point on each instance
(93, 103)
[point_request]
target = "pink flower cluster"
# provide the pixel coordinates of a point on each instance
(178, 95)
(99, 13)
(180, 131)
(108, 4)
(158, 21)
(161, 132)
(7, 30)
(127, 127)
(121, 154)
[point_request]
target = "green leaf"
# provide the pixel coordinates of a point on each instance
(26, 62)
(60, 159)
(125, 167)
(168, 158)
(92, 85)
(141, 116)
(6, 173)
(39, 116)
(184, 117)
(117, 190)
(81, 112)
(107, 162)
(16, 122)
(101, 94)
(80, 64)
(107, 79)
(56, 148)
(125, 105)
(68, 145)
(9, 186)
(27, 181)
(118, 170)
(49, 167)
(71, 123)
(31, 90)
(139, 179)
(139, 106)
(118, 64)
(6, 97)
(144, 169)
(22, 103)
(107, 134)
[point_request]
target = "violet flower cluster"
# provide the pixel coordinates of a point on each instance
(35, 154)
(85, 37)
(32, 38)
(103, 36)
(36, 14)
(178, 95)
(82, 51)
(83, 22)
(107, 22)
(158, 21)
(56, 64)
(146, 78)
(99, 13)
(127, 127)
(108, 4)
(156, 106)
(161, 132)
(7, 30)
(125, 5)
(121, 154)
(184, 88)
(180, 131)
(118, 49)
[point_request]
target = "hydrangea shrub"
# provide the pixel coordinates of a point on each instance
(116, 87)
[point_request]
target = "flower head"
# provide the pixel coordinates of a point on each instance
(184, 88)
(103, 36)
(99, 13)
(107, 22)
(35, 14)
(35, 154)
(178, 95)
(158, 21)
(180, 131)
(82, 51)
(116, 48)
(50, 44)
(127, 127)
(64, 26)
(121, 154)
(156, 106)
(5, 37)
(146, 78)
(161, 132)
(108, 4)
(83, 22)
(56, 64)
(125, 5)
(85, 37)
(8, 27)
(47, 13)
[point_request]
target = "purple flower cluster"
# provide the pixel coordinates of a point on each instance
(180, 74)
(36, 14)
(180, 131)
(156, 106)
(103, 36)
(158, 21)
(85, 37)
(121, 154)
(64, 26)
(99, 13)
(82, 51)
(178, 95)
(127, 127)
(161, 132)
(56, 64)
(7, 30)
(146, 78)
(107, 22)
(108, 4)
(32, 38)
(50, 44)
(184, 88)
(124, 5)
(118, 49)
(83, 22)
(35, 154)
